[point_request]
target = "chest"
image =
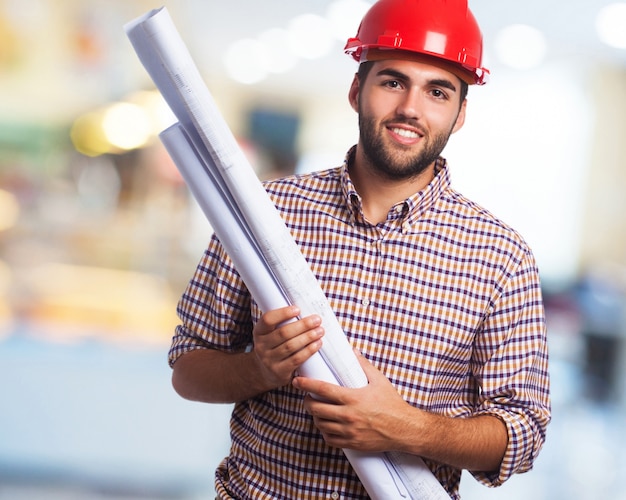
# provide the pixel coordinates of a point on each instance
(412, 302)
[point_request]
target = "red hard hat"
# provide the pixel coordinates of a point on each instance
(443, 29)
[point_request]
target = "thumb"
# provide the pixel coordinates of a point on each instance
(370, 370)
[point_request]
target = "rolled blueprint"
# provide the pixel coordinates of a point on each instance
(230, 227)
(255, 236)
(385, 476)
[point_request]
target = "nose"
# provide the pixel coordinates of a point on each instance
(410, 104)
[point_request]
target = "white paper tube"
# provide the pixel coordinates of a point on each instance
(377, 472)
(218, 173)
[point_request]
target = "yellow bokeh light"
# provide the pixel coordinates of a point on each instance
(126, 126)
(157, 110)
(119, 127)
(87, 135)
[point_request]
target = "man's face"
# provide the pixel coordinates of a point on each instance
(407, 111)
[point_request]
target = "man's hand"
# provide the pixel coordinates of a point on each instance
(282, 344)
(376, 418)
(365, 419)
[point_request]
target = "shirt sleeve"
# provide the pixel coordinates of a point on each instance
(510, 362)
(215, 308)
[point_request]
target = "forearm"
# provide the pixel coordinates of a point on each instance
(475, 443)
(212, 376)
(377, 418)
(281, 345)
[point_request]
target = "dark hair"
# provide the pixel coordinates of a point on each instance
(365, 68)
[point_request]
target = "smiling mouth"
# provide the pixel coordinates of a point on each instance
(409, 134)
(405, 134)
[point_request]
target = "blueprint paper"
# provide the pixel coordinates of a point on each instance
(169, 64)
(232, 232)
(256, 238)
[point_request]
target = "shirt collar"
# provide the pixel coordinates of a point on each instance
(413, 207)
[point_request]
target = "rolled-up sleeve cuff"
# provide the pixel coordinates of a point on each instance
(521, 449)
(182, 342)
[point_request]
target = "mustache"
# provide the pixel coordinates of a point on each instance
(410, 122)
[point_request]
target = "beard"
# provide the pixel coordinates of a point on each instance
(398, 164)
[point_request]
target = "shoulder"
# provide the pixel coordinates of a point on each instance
(478, 225)
(302, 181)
(313, 186)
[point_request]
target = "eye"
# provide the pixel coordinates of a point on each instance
(392, 84)
(438, 94)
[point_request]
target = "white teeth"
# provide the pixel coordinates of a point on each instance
(405, 133)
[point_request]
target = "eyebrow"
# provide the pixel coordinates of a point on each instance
(440, 82)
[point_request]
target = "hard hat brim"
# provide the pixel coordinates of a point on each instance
(380, 54)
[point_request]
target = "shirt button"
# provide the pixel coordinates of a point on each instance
(365, 302)
(334, 495)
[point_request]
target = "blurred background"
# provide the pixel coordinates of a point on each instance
(99, 235)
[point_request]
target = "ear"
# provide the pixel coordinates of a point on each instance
(460, 119)
(353, 94)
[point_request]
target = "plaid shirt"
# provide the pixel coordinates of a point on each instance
(442, 297)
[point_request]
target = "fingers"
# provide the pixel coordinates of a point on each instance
(320, 389)
(282, 342)
(332, 420)
(272, 319)
(331, 392)
(280, 332)
(371, 372)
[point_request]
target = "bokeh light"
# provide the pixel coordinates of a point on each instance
(310, 36)
(246, 61)
(611, 25)
(126, 126)
(9, 210)
(520, 46)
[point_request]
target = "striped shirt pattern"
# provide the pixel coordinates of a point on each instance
(442, 297)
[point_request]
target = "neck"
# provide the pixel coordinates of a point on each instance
(379, 193)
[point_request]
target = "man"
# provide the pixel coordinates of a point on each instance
(440, 299)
